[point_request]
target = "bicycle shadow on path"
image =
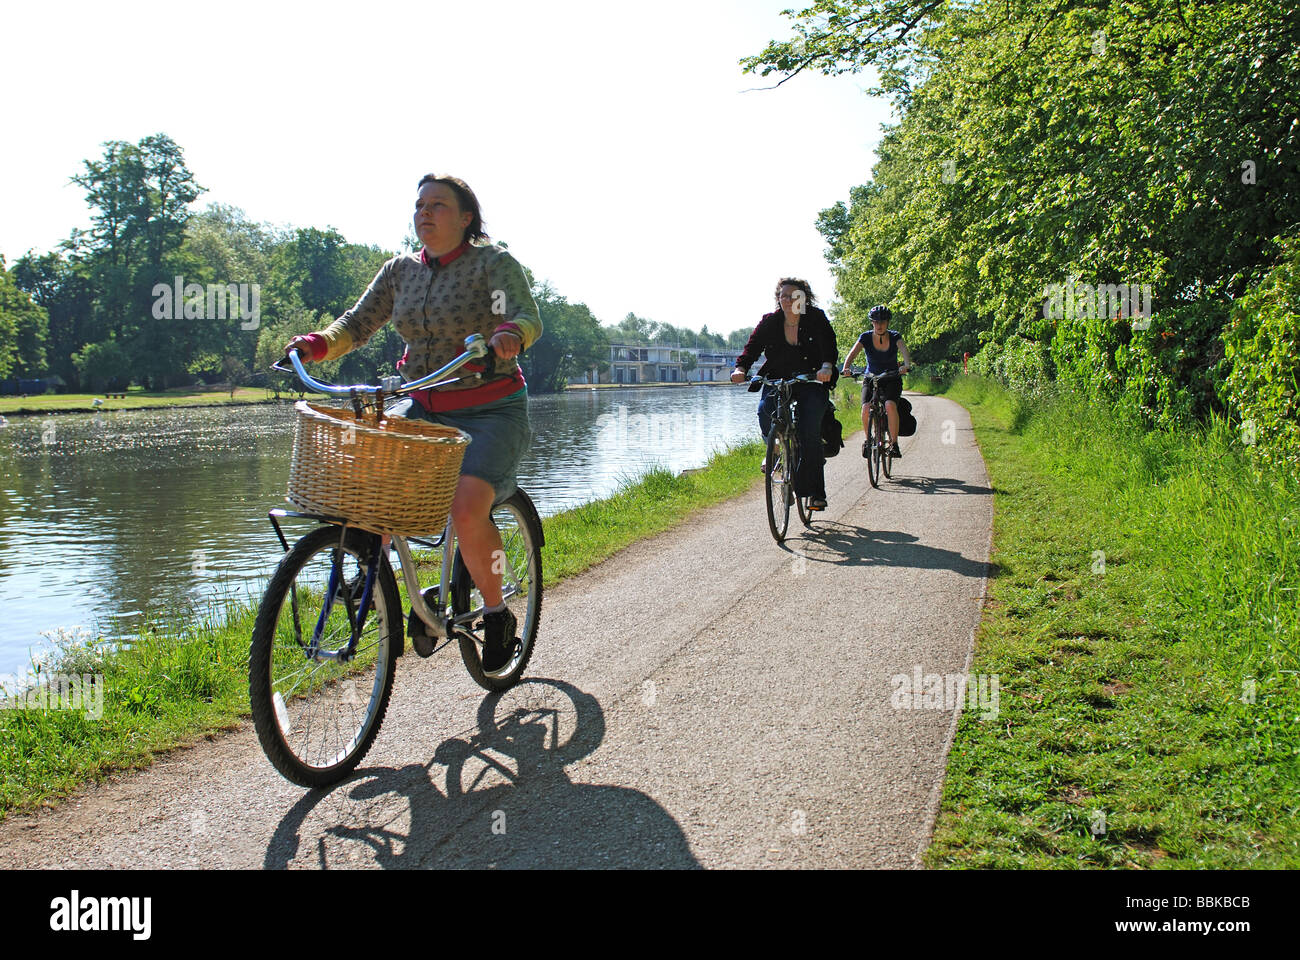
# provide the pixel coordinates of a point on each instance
(850, 545)
(507, 801)
(932, 485)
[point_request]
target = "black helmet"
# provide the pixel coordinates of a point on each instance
(880, 312)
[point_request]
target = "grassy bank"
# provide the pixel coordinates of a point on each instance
(136, 399)
(175, 687)
(1143, 621)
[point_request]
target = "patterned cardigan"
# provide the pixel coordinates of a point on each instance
(434, 308)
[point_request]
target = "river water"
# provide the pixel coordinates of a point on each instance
(109, 518)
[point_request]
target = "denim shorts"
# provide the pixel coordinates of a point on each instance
(499, 435)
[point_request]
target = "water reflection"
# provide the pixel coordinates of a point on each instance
(106, 518)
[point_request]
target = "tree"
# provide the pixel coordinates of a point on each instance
(572, 342)
(140, 194)
(313, 266)
(634, 329)
(59, 285)
(102, 364)
(235, 372)
(23, 329)
(1149, 143)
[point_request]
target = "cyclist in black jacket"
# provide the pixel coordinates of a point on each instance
(796, 338)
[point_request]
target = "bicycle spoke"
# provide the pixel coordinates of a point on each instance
(321, 710)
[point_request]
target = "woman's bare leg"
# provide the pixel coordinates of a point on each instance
(479, 539)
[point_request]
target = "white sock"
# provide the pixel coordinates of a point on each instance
(497, 609)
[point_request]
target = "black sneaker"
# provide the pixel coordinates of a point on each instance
(896, 453)
(866, 449)
(498, 639)
(817, 503)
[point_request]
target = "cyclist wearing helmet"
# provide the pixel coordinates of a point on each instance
(882, 347)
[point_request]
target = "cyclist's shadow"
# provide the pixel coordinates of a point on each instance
(508, 801)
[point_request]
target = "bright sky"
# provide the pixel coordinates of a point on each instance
(611, 145)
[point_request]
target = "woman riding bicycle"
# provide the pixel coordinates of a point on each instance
(457, 285)
(882, 347)
(797, 339)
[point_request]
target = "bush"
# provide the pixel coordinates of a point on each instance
(102, 363)
(1018, 363)
(1170, 373)
(1262, 341)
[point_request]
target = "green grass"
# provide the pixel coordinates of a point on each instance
(178, 684)
(136, 399)
(1145, 583)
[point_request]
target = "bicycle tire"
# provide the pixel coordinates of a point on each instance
(778, 476)
(315, 702)
(873, 451)
(522, 540)
(887, 456)
(801, 503)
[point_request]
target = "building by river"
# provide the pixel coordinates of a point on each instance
(661, 363)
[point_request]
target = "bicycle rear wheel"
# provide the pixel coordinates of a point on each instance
(805, 512)
(316, 712)
(521, 580)
(779, 483)
(873, 451)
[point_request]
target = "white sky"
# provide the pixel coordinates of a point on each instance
(611, 145)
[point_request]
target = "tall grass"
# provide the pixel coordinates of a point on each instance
(1144, 621)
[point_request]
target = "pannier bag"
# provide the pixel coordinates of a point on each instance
(906, 422)
(832, 432)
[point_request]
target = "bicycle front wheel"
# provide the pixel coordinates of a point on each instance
(873, 451)
(316, 708)
(780, 483)
(520, 564)
(886, 456)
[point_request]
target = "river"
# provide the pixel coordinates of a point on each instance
(109, 518)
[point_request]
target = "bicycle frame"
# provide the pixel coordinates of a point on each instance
(783, 415)
(442, 625)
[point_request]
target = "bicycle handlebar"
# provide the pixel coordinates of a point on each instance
(800, 378)
(475, 348)
(863, 375)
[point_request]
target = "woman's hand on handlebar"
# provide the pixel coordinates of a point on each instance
(506, 344)
(824, 374)
(310, 347)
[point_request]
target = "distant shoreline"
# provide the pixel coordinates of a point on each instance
(634, 386)
(56, 411)
(114, 407)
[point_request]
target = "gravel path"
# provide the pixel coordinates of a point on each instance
(706, 698)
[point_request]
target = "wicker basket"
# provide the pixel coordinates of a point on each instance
(397, 477)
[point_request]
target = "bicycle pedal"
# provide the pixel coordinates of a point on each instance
(421, 642)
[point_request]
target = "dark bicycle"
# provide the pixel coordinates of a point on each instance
(783, 456)
(880, 453)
